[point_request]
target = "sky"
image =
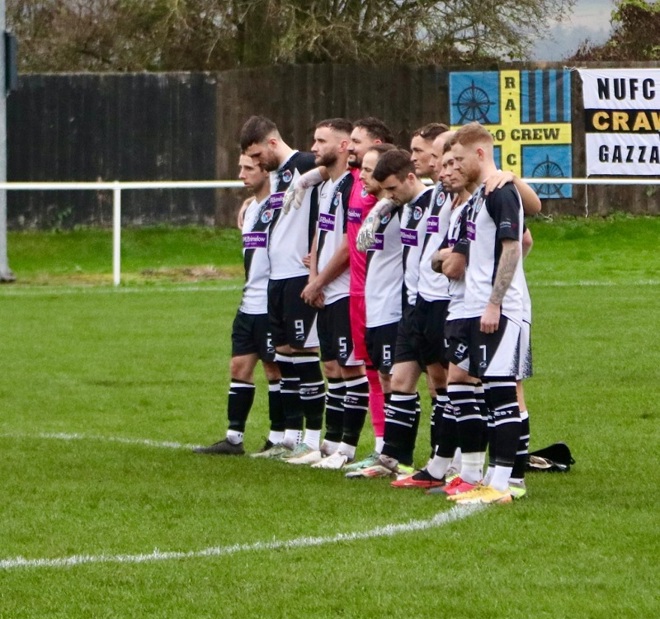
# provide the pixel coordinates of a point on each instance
(590, 20)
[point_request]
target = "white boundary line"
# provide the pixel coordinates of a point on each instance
(458, 512)
(36, 291)
(443, 518)
(63, 436)
(39, 291)
(594, 283)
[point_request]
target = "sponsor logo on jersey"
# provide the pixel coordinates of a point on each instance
(354, 215)
(253, 240)
(379, 242)
(326, 222)
(409, 237)
(471, 230)
(432, 224)
(276, 199)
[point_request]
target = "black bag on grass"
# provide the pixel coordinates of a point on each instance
(555, 458)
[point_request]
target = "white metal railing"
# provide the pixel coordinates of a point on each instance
(118, 186)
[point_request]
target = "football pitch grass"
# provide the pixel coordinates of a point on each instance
(106, 512)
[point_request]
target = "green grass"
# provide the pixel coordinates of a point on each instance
(150, 362)
(147, 254)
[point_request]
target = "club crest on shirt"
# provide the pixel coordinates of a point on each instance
(287, 176)
(267, 216)
(335, 200)
(364, 193)
(385, 219)
(417, 213)
(440, 198)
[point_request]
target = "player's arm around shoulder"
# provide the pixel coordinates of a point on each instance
(530, 201)
(240, 217)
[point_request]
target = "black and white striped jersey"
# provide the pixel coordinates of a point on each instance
(413, 229)
(257, 220)
(291, 233)
(333, 198)
(383, 288)
(434, 286)
(490, 220)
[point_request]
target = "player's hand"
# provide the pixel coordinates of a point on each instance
(490, 320)
(436, 261)
(289, 198)
(367, 235)
(307, 260)
(497, 181)
(296, 192)
(312, 293)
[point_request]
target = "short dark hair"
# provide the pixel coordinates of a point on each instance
(381, 148)
(256, 129)
(337, 124)
(376, 129)
(431, 131)
(394, 162)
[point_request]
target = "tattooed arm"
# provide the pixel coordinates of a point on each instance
(506, 269)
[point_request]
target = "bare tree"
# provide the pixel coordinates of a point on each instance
(167, 35)
(635, 34)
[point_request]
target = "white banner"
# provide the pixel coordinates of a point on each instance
(622, 121)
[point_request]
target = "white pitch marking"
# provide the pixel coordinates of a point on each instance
(62, 436)
(39, 291)
(595, 284)
(458, 512)
(70, 290)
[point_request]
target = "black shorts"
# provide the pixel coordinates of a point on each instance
(334, 326)
(430, 317)
(494, 355)
(407, 338)
(380, 346)
(292, 321)
(457, 339)
(250, 335)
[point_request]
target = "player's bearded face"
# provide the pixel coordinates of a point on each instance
(326, 159)
(466, 162)
(360, 143)
(263, 155)
(269, 161)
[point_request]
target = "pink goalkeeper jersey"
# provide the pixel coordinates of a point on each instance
(359, 205)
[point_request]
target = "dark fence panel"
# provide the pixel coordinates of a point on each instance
(91, 127)
(184, 126)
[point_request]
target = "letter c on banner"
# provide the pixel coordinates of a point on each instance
(601, 121)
